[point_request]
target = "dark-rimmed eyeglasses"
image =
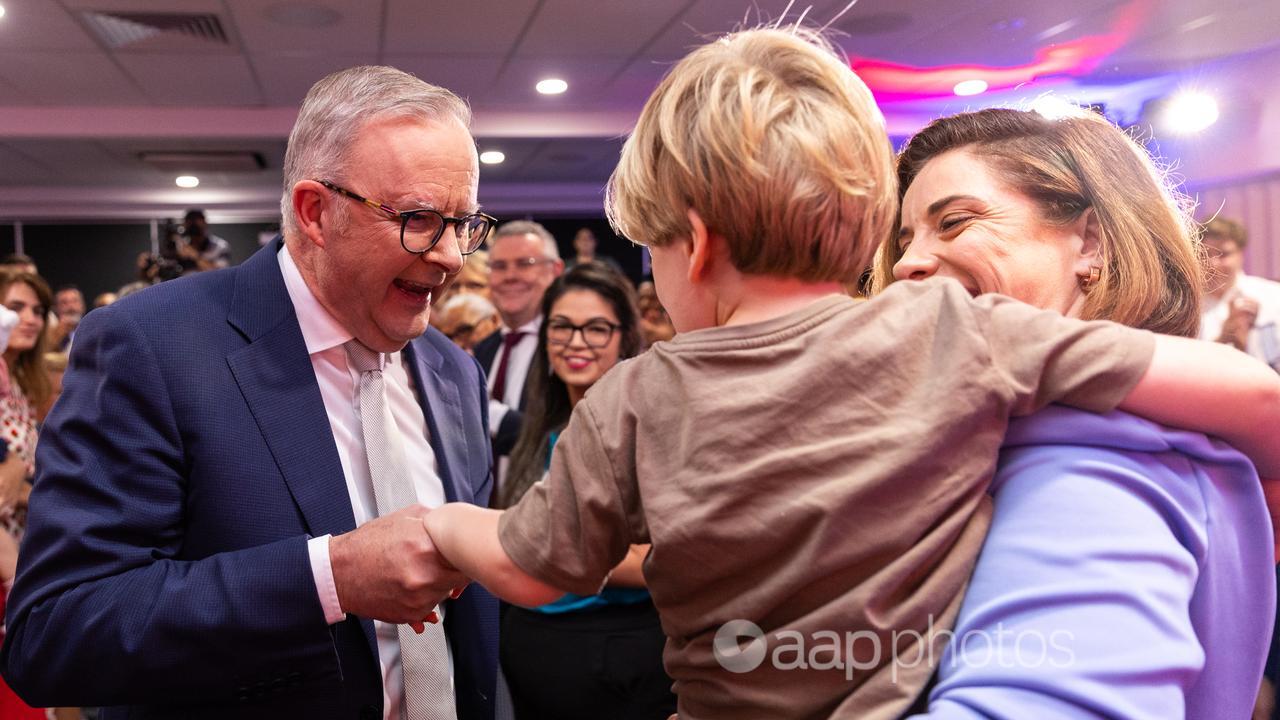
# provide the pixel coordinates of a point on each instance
(596, 334)
(421, 229)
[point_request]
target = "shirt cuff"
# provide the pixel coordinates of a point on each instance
(497, 411)
(322, 571)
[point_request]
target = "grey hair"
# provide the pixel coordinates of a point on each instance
(338, 106)
(528, 227)
(469, 301)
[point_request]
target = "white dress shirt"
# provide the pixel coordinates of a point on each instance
(325, 338)
(1264, 339)
(517, 372)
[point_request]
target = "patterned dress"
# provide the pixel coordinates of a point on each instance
(18, 427)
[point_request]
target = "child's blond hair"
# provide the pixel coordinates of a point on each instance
(776, 144)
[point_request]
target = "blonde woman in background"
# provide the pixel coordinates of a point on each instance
(466, 319)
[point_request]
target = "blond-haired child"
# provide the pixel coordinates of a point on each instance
(814, 466)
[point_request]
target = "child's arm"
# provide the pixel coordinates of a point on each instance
(1214, 389)
(467, 537)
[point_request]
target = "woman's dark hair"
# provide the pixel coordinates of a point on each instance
(547, 399)
(1152, 275)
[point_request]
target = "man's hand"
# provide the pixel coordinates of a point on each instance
(61, 330)
(388, 569)
(1235, 331)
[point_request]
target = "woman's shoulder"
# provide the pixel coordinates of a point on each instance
(1117, 431)
(1205, 491)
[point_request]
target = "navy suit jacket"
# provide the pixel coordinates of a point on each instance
(190, 458)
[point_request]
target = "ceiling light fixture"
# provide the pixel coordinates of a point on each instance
(1, 11)
(492, 157)
(1189, 112)
(551, 86)
(970, 87)
(186, 181)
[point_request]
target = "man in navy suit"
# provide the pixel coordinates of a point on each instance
(523, 262)
(207, 537)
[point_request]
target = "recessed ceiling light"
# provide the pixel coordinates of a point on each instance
(492, 157)
(1, 11)
(1189, 113)
(551, 86)
(970, 87)
(186, 181)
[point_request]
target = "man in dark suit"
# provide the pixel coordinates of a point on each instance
(523, 262)
(231, 490)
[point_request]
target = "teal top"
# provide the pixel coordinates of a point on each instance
(608, 596)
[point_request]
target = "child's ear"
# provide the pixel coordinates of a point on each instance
(700, 250)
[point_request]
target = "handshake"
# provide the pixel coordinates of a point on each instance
(390, 570)
(400, 567)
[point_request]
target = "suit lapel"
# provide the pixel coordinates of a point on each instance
(442, 409)
(278, 383)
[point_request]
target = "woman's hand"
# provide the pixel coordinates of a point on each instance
(8, 558)
(13, 473)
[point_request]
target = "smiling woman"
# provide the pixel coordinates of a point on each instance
(1014, 203)
(27, 387)
(1110, 533)
(567, 659)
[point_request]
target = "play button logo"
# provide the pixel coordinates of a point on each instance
(740, 646)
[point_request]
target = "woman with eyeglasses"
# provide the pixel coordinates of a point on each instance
(581, 657)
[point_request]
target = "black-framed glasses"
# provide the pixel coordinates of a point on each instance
(596, 333)
(421, 229)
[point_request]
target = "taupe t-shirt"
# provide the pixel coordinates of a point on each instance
(823, 473)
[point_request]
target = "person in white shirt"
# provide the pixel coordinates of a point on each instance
(1239, 309)
(523, 262)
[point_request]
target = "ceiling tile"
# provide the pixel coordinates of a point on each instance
(69, 78)
(468, 77)
(587, 77)
(1187, 31)
(566, 28)
(287, 78)
(194, 79)
(42, 26)
(474, 27)
(342, 27)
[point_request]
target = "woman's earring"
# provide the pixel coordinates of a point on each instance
(1087, 282)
